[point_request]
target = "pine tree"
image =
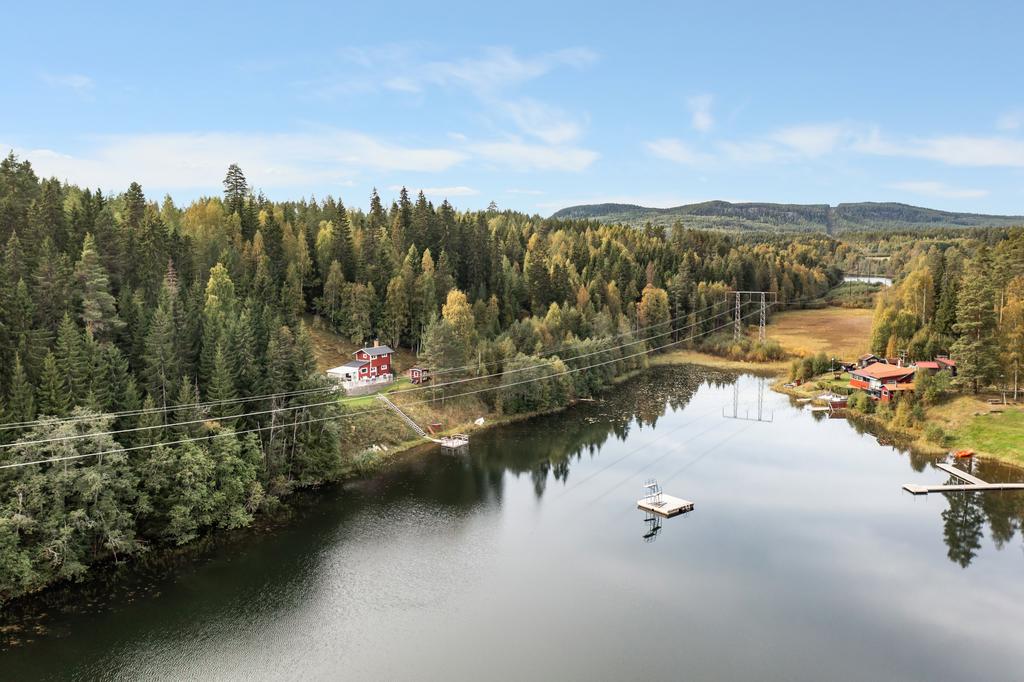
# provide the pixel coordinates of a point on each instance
(161, 360)
(99, 312)
(20, 401)
(975, 349)
(236, 189)
(134, 207)
(221, 389)
(186, 410)
(53, 393)
(70, 360)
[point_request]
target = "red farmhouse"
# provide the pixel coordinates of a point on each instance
(372, 365)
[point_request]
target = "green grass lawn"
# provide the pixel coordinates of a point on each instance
(1000, 434)
(364, 401)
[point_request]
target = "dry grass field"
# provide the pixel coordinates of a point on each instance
(840, 332)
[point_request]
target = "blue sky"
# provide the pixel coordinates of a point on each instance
(534, 105)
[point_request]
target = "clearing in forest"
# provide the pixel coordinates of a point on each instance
(844, 333)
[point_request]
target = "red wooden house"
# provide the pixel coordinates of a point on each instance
(372, 365)
(883, 381)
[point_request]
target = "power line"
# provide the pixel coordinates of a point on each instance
(289, 408)
(119, 450)
(420, 388)
(286, 394)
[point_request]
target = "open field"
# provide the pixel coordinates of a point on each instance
(840, 332)
(995, 430)
(999, 434)
(677, 357)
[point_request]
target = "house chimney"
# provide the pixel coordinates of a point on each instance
(376, 343)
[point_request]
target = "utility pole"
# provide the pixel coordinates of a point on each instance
(760, 405)
(737, 327)
(766, 298)
(764, 312)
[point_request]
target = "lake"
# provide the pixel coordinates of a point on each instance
(869, 279)
(526, 558)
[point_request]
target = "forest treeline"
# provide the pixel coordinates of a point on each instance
(158, 355)
(959, 296)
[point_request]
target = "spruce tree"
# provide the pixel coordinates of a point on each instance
(221, 389)
(53, 392)
(70, 360)
(975, 349)
(99, 312)
(20, 402)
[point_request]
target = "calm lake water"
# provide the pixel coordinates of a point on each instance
(527, 559)
(870, 279)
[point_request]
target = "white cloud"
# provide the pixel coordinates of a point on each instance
(199, 160)
(954, 150)
(1011, 120)
(752, 151)
(678, 151)
(932, 188)
(404, 68)
(441, 192)
(501, 67)
(539, 120)
(519, 155)
(76, 82)
(813, 140)
(700, 112)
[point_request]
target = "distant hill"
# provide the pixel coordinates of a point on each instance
(810, 217)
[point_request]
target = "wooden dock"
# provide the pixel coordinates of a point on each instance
(665, 506)
(974, 484)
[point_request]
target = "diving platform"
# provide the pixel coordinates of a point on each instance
(973, 484)
(655, 501)
(668, 506)
(452, 442)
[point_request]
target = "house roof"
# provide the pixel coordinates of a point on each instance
(869, 355)
(880, 370)
(946, 361)
(352, 364)
(374, 351)
(927, 364)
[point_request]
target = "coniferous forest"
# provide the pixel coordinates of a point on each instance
(158, 372)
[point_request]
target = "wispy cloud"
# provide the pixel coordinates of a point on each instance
(196, 160)
(700, 112)
(405, 68)
(76, 82)
(441, 192)
(550, 124)
(676, 150)
(499, 67)
(932, 188)
(1011, 120)
(814, 140)
(953, 150)
(519, 155)
(807, 142)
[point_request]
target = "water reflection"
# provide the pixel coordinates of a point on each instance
(531, 512)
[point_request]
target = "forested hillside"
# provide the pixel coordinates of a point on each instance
(959, 296)
(790, 217)
(158, 380)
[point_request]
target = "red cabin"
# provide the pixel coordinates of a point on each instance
(419, 374)
(375, 361)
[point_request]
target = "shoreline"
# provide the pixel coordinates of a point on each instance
(911, 439)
